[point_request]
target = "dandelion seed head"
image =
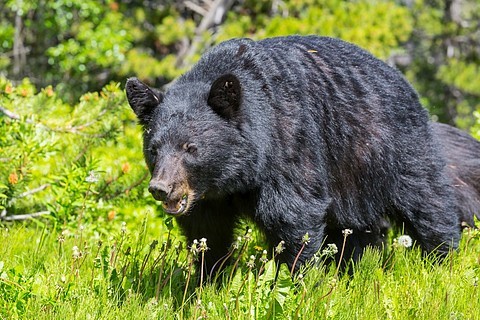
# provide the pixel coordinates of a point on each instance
(263, 258)
(75, 252)
(405, 241)
(306, 239)
(194, 247)
(251, 262)
(280, 247)
(248, 236)
(333, 282)
(203, 245)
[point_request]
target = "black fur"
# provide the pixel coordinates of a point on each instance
(462, 153)
(302, 135)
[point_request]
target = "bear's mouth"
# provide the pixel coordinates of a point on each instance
(176, 207)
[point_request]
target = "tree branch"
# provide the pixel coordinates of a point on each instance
(17, 217)
(9, 114)
(75, 130)
(214, 16)
(30, 192)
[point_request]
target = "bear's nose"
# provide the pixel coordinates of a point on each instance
(160, 189)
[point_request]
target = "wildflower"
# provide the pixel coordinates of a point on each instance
(305, 239)
(48, 91)
(347, 232)
(125, 167)
(178, 247)
(153, 302)
(251, 262)
(13, 178)
(237, 243)
(193, 248)
(248, 236)
(280, 247)
(63, 235)
(111, 215)
(92, 177)
(8, 89)
(61, 238)
(263, 258)
(76, 253)
(333, 282)
(404, 241)
(203, 245)
(330, 250)
(123, 230)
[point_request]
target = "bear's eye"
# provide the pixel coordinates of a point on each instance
(153, 152)
(190, 147)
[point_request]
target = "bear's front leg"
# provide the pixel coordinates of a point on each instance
(214, 221)
(296, 220)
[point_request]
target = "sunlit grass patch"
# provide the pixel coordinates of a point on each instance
(45, 273)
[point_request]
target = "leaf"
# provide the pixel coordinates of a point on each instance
(283, 285)
(268, 274)
(236, 283)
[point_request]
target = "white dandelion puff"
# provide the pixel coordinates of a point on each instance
(405, 241)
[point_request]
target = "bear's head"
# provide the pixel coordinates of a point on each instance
(194, 141)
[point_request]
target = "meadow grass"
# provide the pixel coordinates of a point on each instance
(50, 273)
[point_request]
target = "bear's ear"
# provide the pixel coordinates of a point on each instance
(142, 99)
(225, 96)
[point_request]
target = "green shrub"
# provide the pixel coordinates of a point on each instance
(77, 163)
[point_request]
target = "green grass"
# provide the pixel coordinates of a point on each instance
(133, 274)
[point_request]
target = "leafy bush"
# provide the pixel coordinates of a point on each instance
(77, 163)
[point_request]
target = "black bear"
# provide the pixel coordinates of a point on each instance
(302, 135)
(462, 153)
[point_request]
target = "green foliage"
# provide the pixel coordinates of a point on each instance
(390, 26)
(79, 46)
(446, 59)
(77, 163)
(47, 273)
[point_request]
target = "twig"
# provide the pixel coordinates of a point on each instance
(30, 192)
(75, 130)
(212, 17)
(195, 7)
(17, 217)
(10, 114)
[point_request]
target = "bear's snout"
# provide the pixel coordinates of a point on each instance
(159, 189)
(175, 197)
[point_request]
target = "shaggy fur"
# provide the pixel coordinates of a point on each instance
(462, 153)
(302, 135)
